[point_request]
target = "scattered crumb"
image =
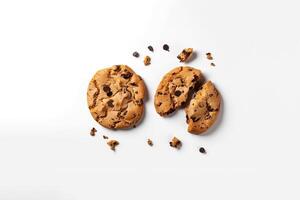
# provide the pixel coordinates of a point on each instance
(150, 143)
(93, 131)
(185, 54)
(112, 144)
(176, 143)
(202, 150)
(105, 137)
(209, 56)
(136, 54)
(212, 64)
(166, 47)
(147, 60)
(150, 48)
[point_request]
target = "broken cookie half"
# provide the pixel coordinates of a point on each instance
(203, 109)
(175, 88)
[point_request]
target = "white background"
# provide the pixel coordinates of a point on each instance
(49, 50)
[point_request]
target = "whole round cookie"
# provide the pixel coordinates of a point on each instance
(203, 109)
(115, 97)
(174, 89)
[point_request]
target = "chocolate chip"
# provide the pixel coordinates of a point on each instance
(110, 103)
(202, 150)
(109, 94)
(150, 48)
(194, 119)
(93, 131)
(212, 64)
(105, 137)
(209, 56)
(177, 93)
(127, 75)
(133, 84)
(136, 54)
(166, 47)
(150, 143)
(106, 88)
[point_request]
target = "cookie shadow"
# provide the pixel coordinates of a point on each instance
(218, 122)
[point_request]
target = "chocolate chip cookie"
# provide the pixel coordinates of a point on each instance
(174, 89)
(115, 97)
(203, 108)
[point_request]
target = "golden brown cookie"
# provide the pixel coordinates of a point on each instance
(115, 97)
(173, 90)
(203, 109)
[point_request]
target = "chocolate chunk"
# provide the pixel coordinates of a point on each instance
(133, 84)
(105, 137)
(150, 143)
(212, 64)
(177, 93)
(93, 131)
(202, 150)
(209, 56)
(194, 119)
(136, 54)
(150, 48)
(110, 103)
(127, 75)
(166, 47)
(109, 94)
(106, 88)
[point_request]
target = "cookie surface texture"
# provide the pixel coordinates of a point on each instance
(115, 97)
(173, 90)
(203, 109)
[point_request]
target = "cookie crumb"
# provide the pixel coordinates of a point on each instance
(105, 137)
(112, 144)
(93, 131)
(212, 64)
(147, 60)
(175, 143)
(185, 54)
(150, 48)
(166, 47)
(209, 56)
(150, 143)
(136, 54)
(202, 150)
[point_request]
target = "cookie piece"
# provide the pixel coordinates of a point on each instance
(147, 60)
(185, 54)
(115, 97)
(112, 144)
(175, 143)
(203, 109)
(174, 89)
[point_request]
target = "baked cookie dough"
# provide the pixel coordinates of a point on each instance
(115, 97)
(174, 89)
(203, 109)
